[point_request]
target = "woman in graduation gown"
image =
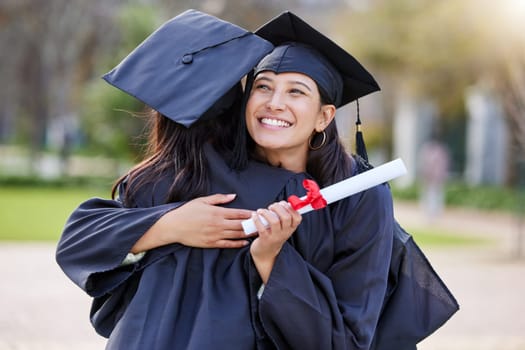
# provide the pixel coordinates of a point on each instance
(323, 286)
(285, 91)
(327, 282)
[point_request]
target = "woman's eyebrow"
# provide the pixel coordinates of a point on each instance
(301, 83)
(263, 78)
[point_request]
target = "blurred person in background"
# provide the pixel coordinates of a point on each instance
(433, 169)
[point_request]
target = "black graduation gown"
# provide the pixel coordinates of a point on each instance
(417, 302)
(326, 289)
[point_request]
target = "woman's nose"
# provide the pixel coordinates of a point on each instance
(276, 101)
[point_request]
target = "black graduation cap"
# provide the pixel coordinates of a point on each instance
(288, 27)
(188, 65)
(301, 48)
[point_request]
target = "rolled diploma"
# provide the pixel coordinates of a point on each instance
(348, 187)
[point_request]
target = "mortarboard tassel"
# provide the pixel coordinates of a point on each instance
(360, 147)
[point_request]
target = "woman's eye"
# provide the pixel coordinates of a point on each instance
(297, 92)
(262, 87)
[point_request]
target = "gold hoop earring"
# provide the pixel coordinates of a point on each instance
(323, 141)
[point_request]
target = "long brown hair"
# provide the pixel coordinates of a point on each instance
(176, 151)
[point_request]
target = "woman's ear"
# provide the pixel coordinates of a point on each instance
(326, 117)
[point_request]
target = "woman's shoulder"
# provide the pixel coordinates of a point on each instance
(147, 193)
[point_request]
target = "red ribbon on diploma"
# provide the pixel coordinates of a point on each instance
(313, 197)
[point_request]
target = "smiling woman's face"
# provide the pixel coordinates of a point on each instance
(282, 112)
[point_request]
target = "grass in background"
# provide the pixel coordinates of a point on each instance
(428, 237)
(458, 194)
(39, 213)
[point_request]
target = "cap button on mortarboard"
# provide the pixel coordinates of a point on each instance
(187, 58)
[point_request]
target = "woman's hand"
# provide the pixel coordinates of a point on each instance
(282, 222)
(198, 223)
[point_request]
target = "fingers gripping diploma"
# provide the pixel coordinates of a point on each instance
(282, 221)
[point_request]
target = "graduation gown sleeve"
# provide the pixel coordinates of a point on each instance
(328, 294)
(97, 237)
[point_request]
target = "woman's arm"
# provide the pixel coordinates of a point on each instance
(305, 307)
(198, 223)
(282, 223)
(100, 233)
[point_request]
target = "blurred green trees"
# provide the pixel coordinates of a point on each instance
(436, 49)
(108, 115)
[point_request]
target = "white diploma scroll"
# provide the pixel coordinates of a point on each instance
(348, 187)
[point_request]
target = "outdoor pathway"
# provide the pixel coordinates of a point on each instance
(42, 310)
(487, 280)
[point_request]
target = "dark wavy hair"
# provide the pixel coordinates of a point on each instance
(177, 151)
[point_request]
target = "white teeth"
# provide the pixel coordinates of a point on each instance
(275, 122)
